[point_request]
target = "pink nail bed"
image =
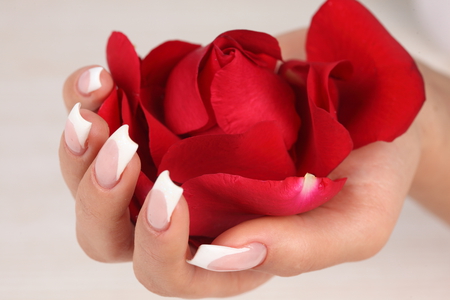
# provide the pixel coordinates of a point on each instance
(163, 198)
(76, 131)
(114, 156)
(228, 259)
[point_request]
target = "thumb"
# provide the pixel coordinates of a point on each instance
(353, 226)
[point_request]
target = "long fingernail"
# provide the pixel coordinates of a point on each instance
(114, 156)
(76, 131)
(163, 198)
(89, 81)
(226, 259)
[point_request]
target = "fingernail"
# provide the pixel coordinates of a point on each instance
(89, 81)
(114, 156)
(76, 131)
(227, 259)
(163, 198)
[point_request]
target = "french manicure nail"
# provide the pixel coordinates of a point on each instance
(114, 156)
(227, 259)
(76, 131)
(89, 81)
(163, 198)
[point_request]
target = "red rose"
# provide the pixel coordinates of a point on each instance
(239, 136)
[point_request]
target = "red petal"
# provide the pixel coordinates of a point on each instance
(138, 132)
(244, 94)
(156, 68)
(218, 202)
(155, 71)
(159, 136)
(322, 88)
(262, 48)
(259, 153)
(124, 65)
(323, 142)
(386, 90)
(161, 139)
(158, 64)
(183, 105)
(143, 186)
(325, 146)
(110, 111)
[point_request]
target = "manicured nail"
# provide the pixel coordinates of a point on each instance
(227, 259)
(310, 182)
(89, 81)
(163, 198)
(114, 156)
(76, 131)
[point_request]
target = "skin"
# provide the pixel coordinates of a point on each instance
(353, 226)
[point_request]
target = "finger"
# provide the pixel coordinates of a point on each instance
(84, 135)
(161, 250)
(88, 86)
(353, 226)
(103, 225)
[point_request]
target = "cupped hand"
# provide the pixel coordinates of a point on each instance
(103, 225)
(352, 226)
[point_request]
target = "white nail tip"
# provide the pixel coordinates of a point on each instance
(172, 192)
(206, 254)
(94, 79)
(80, 125)
(126, 147)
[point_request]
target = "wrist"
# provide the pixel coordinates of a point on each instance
(430, 187)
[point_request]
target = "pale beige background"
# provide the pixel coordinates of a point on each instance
(41, 42)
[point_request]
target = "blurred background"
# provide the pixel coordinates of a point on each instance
(42, 42)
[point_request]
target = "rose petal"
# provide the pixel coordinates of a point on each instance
(259, 153)
(244, 94)
(324, 146)
(321, 86)
(262, 48)
(210, 65)
(160, 138)
(218, 202)
(143, 186)
(386, 90)
(117, 110)
(183, 105)
(138, 131)
(156, 68)
(124, 65)
(110, 111)
(155, 71)
(323, 142)
(158, 64)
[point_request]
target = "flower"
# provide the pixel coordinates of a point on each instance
(239, 134)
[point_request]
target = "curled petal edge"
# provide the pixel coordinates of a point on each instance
(218, 202)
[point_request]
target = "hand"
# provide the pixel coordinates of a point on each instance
(353, 226)
(430, 186)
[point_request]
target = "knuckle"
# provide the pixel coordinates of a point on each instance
(162, 279)
(154, 284)
(105, 253)
(103, 238)
(85, 208)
